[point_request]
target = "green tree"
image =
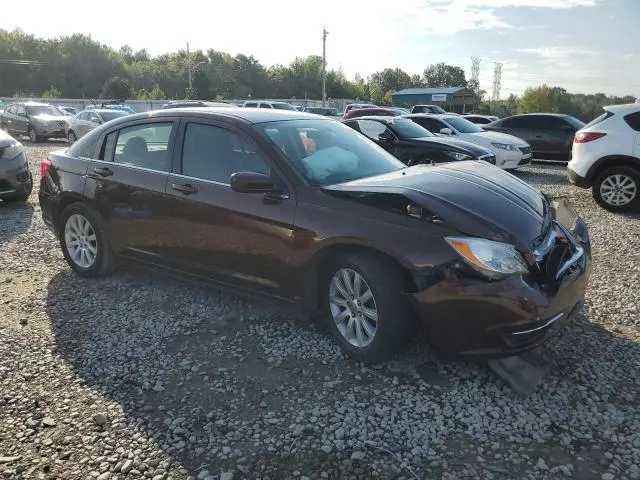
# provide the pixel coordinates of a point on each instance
(539, 99)
(155, 93)
(443, 75)
(390, 79)
(52, 92)
(116, 87)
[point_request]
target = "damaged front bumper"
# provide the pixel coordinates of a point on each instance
(466, 315)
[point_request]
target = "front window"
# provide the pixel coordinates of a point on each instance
(408, 129)
(284, 106)
(43, 110)
(326, 152)
(108, 116)
(463, 125)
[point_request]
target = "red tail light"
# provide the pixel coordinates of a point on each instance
(44, 167)
(584, 137)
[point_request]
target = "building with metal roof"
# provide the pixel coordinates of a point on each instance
(459, 99)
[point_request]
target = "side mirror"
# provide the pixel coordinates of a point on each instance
(252, 182)
(446, 131)
(385, 136)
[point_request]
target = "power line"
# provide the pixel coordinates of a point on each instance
(497, 80)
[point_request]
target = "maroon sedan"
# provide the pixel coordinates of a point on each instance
(305, 209)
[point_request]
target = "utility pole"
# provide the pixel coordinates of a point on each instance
(324, 66)
(189, 67)
(497, 81)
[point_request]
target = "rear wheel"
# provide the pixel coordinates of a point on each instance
(71, 136)
(83, 242)
(366, 311)
(616, 189)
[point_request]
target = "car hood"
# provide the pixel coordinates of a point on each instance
(455, 144)
(499, 137)
(6, 139)
(473, 198)
(51, 118)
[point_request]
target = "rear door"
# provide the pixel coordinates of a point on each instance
(127, 184)
(553, 135)
(522, 126)
(244, 239)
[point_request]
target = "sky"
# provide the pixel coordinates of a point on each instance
(585, 46)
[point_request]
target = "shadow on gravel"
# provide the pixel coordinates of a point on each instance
(227, 384)
(15, 219)
(552, 174)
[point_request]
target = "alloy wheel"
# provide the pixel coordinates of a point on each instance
(353, 307)
(618, 190)
(72, 138)
(32, 135)
(81, 241)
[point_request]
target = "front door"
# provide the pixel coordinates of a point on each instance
(243, 239)
(127, 183)
(21, 120)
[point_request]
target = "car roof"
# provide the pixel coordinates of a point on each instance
(379, 118)
(443, 116)
(559, 115)
(625, 108)
(103, 110)
(34, 104)
(249, 115)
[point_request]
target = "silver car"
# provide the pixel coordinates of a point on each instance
(37, 120)
(82, 123)
(15, 179)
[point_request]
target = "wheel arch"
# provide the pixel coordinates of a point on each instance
(66, 200)
(317, 265)
(612, 161)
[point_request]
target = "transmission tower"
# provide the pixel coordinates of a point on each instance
(475, 71)
(497, 79)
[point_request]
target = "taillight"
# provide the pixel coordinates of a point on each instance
(584, 137)
(44, 167)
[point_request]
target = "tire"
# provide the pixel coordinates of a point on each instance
(33, 136)
(626, 180)
(385, 281)
(71, 221)
(71, 137)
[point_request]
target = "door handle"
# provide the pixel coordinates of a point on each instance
(103, 171)
(187, 188)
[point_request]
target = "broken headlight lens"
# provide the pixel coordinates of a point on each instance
(493, 259)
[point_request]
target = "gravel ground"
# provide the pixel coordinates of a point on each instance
(140, 375)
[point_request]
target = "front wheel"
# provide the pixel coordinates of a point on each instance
(83, 241)
(366, 311)
(616, 189)
(71, 136)
(33, 136)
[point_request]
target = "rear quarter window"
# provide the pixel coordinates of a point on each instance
(633, 120)
(86, 146)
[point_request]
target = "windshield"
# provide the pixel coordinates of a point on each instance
(284, 106)
(326, 152)
(43, 110)
(107, 116)
(578, 124)
(408, 129)
(463, 125)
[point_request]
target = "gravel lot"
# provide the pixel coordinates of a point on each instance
(140, 375)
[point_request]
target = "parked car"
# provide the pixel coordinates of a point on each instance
(352, 106)
(15, 178)
(549, 134)
(196, 103)
(511, 152)
(369, 112)
(606, 158)
(81, 124)
(37, 120)
(490, 265)
(480, 119)
(412, 144)
(326, 111)
(111, 104)
(269, 104)
(67, 111)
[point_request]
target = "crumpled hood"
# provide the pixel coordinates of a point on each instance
(500, 137)
(474, 198)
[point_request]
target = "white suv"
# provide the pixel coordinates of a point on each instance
(606, 158)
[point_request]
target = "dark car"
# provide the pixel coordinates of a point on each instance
(413, 144)
(480, 119)
(15, 179)
(240, 196)
(370, 112)
(549, 134)
(36, 120)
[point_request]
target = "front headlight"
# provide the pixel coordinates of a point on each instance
(493, 259)
(459, 155)
(505, 146)
(12, 151)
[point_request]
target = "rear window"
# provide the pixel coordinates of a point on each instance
(599, 119)
(633, 120)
